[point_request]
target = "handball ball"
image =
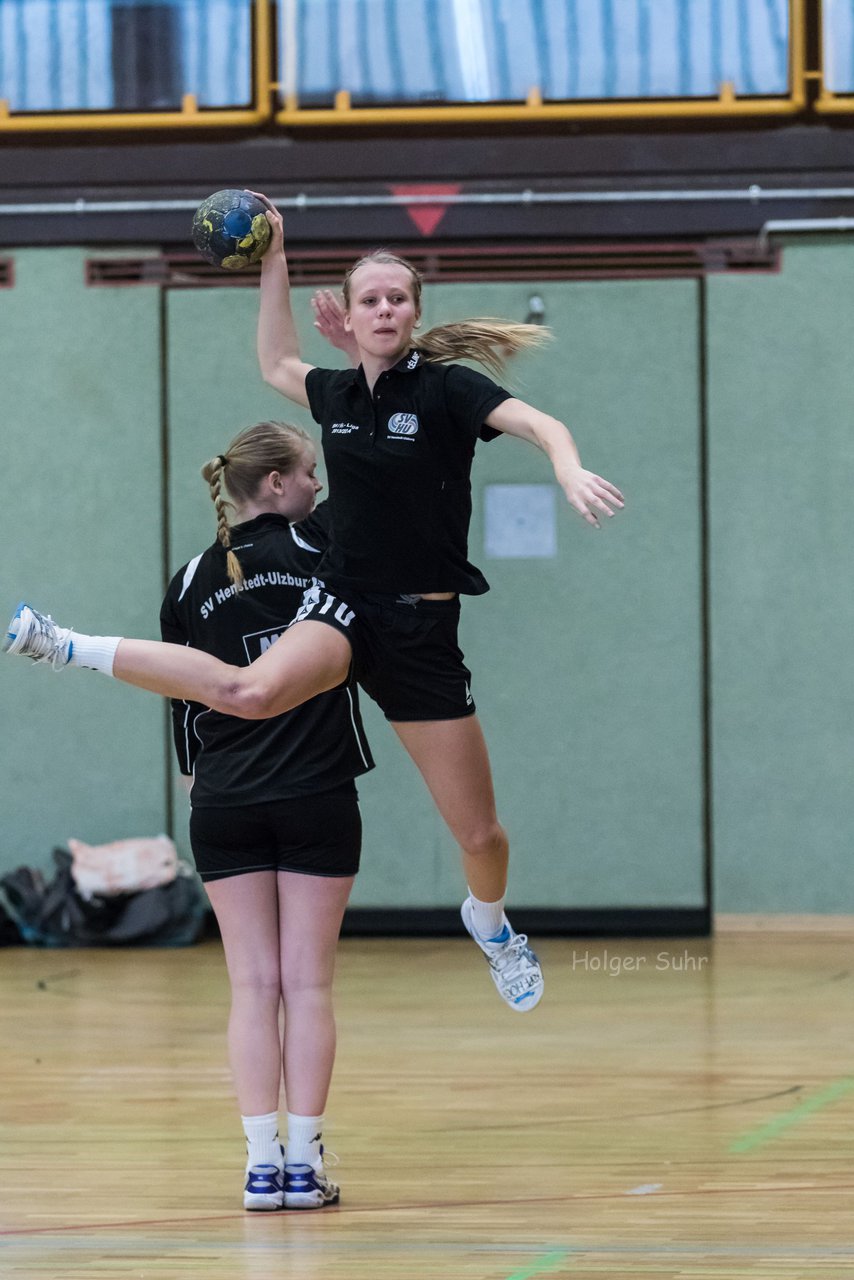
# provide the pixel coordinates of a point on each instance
(230, 229)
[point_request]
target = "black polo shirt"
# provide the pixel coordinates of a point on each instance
(318, 746)
(399, 466)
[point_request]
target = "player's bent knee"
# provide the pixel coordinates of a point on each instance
(261, 703)
(298, 667)
(485, 840)
(249, 700)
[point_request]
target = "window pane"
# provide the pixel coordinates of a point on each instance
(839, 45)
(124, 55)
(428, 51)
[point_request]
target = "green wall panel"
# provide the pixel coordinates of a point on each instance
(81, 528)
(587, 666)
(781, 477)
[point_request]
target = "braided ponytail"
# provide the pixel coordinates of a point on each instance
(252, 455)
(213, 472)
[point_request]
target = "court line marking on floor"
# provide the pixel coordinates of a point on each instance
(421, 1206)
(549, 1262)
(575, 1253)
(591, 1118)
(768, 1132)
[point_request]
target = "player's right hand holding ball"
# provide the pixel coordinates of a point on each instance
(277, 226)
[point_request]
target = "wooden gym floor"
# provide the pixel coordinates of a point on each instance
(677, 1109)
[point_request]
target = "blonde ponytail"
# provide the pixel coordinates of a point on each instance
(252, 455)
(489, 341)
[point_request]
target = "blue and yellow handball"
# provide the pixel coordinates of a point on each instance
(230, 229)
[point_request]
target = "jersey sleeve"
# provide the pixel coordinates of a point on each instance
(471, 397)
(173, 631)
(315, 528)
(318, 387)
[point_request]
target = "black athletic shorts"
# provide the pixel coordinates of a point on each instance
(317, 835)
(405, 651)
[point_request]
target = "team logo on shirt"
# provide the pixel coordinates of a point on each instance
(403, 424)
(258, 642)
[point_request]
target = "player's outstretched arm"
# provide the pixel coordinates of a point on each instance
(589, 494)
(278, 344)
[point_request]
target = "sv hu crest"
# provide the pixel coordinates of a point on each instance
(403, 424)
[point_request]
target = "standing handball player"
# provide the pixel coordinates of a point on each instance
(275, 826)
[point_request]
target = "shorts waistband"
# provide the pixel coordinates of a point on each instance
(409, 601)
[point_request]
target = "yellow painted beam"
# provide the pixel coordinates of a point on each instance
(677, 109)
(835, 102)
(104, 122)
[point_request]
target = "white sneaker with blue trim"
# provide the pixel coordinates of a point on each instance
(35, 635)
(514, 966)
(308, 1187)
(264, 1187)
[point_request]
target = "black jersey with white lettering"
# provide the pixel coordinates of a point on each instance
(399, 466)
(317, 746)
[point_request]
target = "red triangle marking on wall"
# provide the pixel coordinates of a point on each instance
(427, 216)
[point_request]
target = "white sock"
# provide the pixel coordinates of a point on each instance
(304, 1134)
(262, 1140)
(487, 918)
(97, 652)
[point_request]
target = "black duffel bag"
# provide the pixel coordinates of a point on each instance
(53, 913)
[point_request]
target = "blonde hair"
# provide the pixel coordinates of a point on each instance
(486, 339)
(252, 455)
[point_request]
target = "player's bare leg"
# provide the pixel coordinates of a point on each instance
(309, 658)
(453, 760)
